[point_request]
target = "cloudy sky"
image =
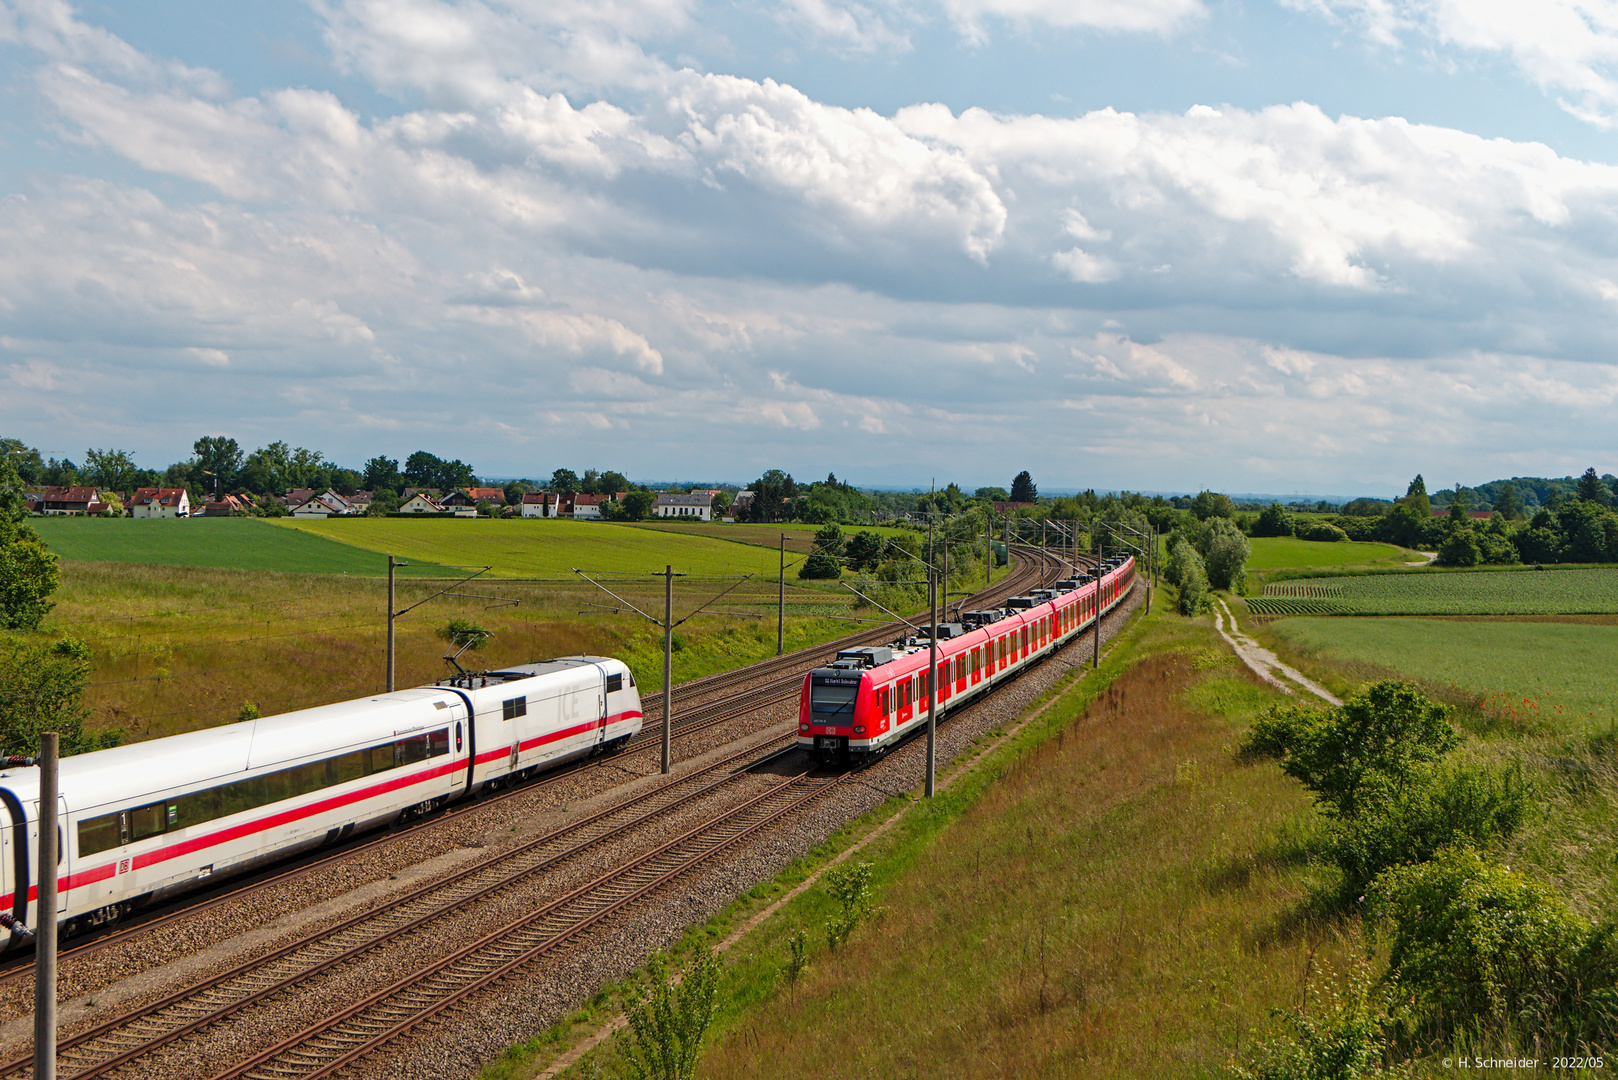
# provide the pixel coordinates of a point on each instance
(1306, 246)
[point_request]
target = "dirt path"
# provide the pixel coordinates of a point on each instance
(1264, 663)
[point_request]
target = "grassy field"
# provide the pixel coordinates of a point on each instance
(1541, 676)
(541, 548)
(1114, 893)
(1502, 592)
(179, 648)
(1285, 553)
(800, 538)
(222, 543)
(1051, 914)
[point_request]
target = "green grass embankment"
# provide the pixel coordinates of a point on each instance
(1108, 894)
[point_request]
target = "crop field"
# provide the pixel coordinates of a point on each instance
(1287, 553)
(800, 538)
(540, 548)
(221, 543)
(1550, 676)
(1521, 592)
(180, 648)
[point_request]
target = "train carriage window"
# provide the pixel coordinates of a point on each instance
(513, 708)
(351, 766)
(147, 821)
(904, 694)
(615, 683)
(101, 833)
(413, 750)
(927, 684)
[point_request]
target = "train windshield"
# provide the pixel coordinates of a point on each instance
(831, 700)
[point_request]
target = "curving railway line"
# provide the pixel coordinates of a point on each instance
(182, 1026)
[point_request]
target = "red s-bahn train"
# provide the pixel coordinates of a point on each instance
(870, 698)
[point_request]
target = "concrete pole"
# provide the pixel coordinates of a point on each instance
(988, 549)
(668, 664)
(45, 921)
(391, 607)
(781, 602)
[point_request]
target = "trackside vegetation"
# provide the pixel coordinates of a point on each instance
(1175, 871)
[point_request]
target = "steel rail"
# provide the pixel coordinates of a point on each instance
(378, 1019)
(1033, 569)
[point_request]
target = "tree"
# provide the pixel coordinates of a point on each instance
(1458, 505)
(992, 494)
(1227, 561)
(1506, 504)
(28, 572)
(865, 550)
(1274, 521)
(29, 465)
(1211, 504)
(111, 469)
(1460, 548)
(613, 482)
(382, 474)
(1416, 498)
(637, 505)
(770, 492)
(220, 456)
(1591, 489)
(564, 480)
(42, 689)
(1023, 489)
(826, 559)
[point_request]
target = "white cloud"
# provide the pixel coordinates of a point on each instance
(847, 27)
(1149, 16)
(1566, 47)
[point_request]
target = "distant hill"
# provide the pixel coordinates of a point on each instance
(1532, 491)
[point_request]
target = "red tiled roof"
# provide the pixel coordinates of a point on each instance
(161, 496)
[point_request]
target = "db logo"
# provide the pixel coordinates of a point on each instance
(123, 866)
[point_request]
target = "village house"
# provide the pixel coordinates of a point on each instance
(68, 501)
(225, 506)
(160, 503)
(420, 503)
(589, 506)
(539, 503)
(697, 504)
(329, 504)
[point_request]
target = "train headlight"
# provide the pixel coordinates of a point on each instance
(859, 729)
(803, 727)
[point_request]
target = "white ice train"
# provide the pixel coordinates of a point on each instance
(154, 819)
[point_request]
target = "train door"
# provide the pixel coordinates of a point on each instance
(62, 860)
(601, 710)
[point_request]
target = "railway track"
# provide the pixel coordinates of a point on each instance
(779, 678)
(126, 1045)
(116, 1047)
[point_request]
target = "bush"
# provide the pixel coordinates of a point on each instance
(1460, 548)
(1277, 730)
(668, 1023)
(1474, 942)
(1369, 743)
(464, 633)
(1436, 808)
(1336, 1036)
(1323, 531)
(851, 886)
(1274, 521)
